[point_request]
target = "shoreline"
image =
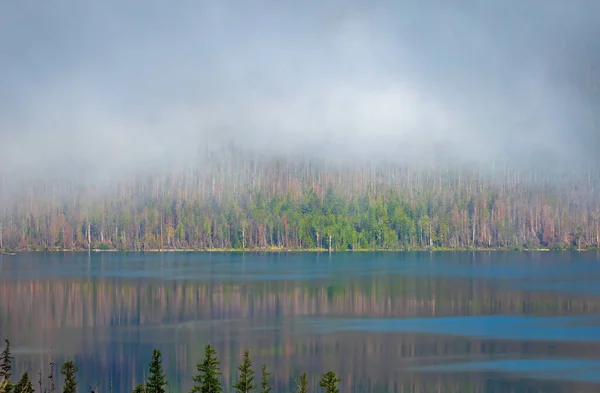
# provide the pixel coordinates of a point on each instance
(292, 250)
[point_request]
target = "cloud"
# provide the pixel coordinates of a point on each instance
(106, 86)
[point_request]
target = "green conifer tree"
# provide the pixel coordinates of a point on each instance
(302, 384)
(265, 387)
(5, 369)
(245, 383)
(139, 388)
(5, 386)
(6, 362)
(329, 382)
(157, 380)
(24, 385)
(207, 380)
(68, 370)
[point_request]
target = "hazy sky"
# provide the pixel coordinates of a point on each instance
(112, 83)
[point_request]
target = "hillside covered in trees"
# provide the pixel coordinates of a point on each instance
(234, 200)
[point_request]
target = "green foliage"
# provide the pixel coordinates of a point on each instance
(307, 206)
(5, 386)
(207, 380)
(265, 386)
(103, 247)
(329, 382)
(157, 379)
(245, 383)
(302, 384)
(5, 366)
(24, 385)
(68, 370)
(140, 388)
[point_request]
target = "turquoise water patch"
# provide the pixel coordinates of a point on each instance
(513, 327)
(557, 369)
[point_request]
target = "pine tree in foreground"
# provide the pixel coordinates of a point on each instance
(139, 388)
(5, 386)
(265, 387)
(157, 380)
(6, 362)
(245, 383)
(302, 384)
(5, 369)
(329, 382)
(24, 385)
(68, 370)
(207, 380)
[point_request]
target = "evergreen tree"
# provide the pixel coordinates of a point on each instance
(5, 369)
(24, 385)
(265, 387)
(207, 380)
(5, 386)
(139, 389)
(157, 380)
(6, 362)
(329, 382)
(68, 370)
(302, 384)
(245, 383)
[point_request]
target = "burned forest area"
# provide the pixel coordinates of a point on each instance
(231, 200)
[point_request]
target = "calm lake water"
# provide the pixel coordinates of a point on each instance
(385, 322)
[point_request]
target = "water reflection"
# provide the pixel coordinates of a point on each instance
(384, 322)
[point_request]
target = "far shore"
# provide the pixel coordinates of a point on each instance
(290, 250)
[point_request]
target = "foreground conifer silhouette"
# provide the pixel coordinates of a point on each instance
(245, 383)
(24, 385)
(208, 378)
(302, 384)
(5, 369)
(329, 382)
(139, 388)
(157, 380)
(265, 387)
(68, 370)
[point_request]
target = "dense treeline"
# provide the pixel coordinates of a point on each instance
(233, 201)
(207, 380)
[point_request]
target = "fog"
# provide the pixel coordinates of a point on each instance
(103, 86)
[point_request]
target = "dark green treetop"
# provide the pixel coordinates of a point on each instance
(245, 383)
(265, 387)
(157, 380)
(6, 362)
(68, 370)
(24, 385)
(207, 380)
(5, 369)
(140, 388)
(329, 382)
(302, 384)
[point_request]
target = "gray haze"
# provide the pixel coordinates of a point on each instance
(110, 84)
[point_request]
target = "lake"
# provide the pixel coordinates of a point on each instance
(384, 322)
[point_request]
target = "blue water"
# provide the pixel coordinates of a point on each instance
(506, 327)
(472, 321)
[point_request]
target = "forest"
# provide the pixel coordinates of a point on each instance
(234, 200)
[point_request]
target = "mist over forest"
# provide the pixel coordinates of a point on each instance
(338, 125)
